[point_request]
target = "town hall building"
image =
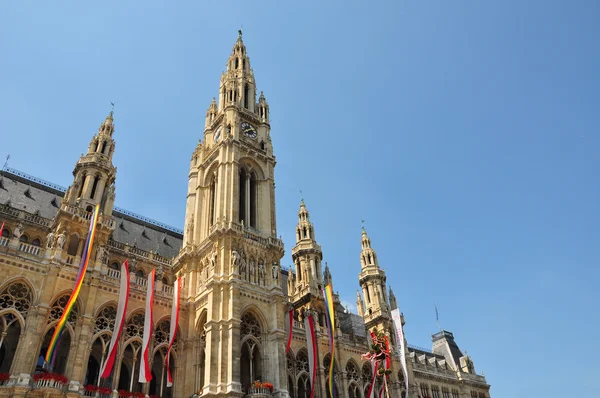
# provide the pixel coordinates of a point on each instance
(235, 296)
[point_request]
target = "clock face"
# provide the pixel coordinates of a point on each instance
(218, 134)
(248, 130)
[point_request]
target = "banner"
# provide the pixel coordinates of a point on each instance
(330, 318)
(173, 331)
(145, 372)
(290, 330)
(311, 345)
(85, 258)
(400, 345)
(119, 320)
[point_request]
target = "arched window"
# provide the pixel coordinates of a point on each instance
(253, 200)
(6, 232)
(243, 62)
(242, 196)
(84, 176)
(73, 245)
(237, 63)
(200, 366)
(251, 356)
(140, 273)
(246, 95)
(104, 147)
(248, 197)
(24, 238)
(36, 242)
(18, 297)
(213, 202)
(94, 186)
(114, 265)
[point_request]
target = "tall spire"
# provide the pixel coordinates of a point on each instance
(393, 302)
(327, 276)
(238, 87)
(372, 279)
(368, 257)
(360, 306)
(307, 257)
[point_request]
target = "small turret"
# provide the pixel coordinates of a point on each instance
(327, 276)
(263, 108)
(211, 113)
(393, 302)
(360, 306)
(372, 279)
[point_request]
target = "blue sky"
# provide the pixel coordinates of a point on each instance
(465, 133)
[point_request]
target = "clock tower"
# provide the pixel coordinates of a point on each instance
(230, 259)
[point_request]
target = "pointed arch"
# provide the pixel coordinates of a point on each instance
(16, 280)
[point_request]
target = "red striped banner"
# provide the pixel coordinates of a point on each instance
(145, 372)
(119, 320)
(173, 331)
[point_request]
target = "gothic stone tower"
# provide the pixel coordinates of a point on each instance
(230, 260)
(372, 279)
(306, 284)
(93, 183)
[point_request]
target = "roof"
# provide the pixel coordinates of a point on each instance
(34, 195)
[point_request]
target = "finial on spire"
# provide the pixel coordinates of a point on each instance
(240, 33)
(363, 225)
(301, 197)
(112, 108)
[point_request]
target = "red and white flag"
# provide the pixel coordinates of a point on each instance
(374, 365)
(400, 345)
(119, 320)
(173, 331)
(311, 345)
(145, 373)
(290, 330)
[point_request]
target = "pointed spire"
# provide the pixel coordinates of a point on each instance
(393, 302)
(327, 276)
(360, 306)
(368, 257)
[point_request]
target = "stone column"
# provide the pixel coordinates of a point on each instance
(27, 351)
(82, 346)
(344, 377)
(247, 199)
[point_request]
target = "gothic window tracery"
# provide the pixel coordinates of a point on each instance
(105, 320)
(58, 308)
(251, 355)
(352, 371)
(250, 326)
(135, 326)
(16, 296)
(302, 362)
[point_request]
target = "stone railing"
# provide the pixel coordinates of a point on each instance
(70, 260)
(9, 211)
(23, 215)
(3, 241)
(107, 221)
(298, 325)
(167, 289)
(114, 273)
(149, 256)
(29, 249)
(249, 232)
(140, 281)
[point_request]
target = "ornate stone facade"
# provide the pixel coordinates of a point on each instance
(234, 296)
